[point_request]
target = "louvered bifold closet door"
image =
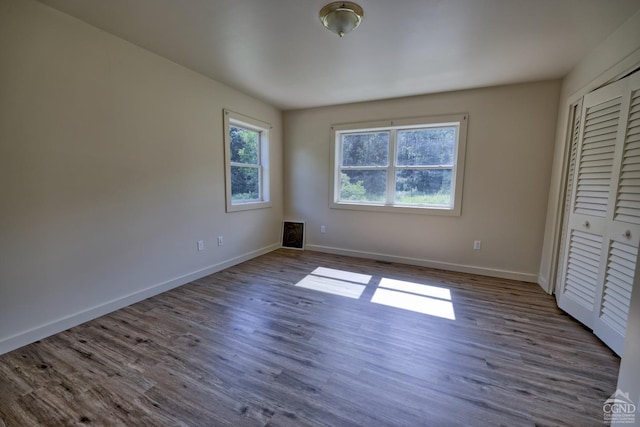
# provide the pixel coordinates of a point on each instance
(574, 130)
(594, 178)
(624, 230)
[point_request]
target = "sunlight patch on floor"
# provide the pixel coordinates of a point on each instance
(336, 282)
(342, 275)
(416, 288)
(424, 299)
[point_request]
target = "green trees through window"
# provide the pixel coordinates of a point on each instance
(434, 150)
(245, 164)
(247, 171)
(398, 165)
(423, 166)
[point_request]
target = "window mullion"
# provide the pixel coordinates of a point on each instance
(391, 181)
(337, 171)
(260, 141)
(433, 167)
(260, 180)
(245, 165)
(363, 168)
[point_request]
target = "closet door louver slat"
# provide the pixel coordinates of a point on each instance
(617, 287)
(596, 158)
(582, 267)
(628, 198)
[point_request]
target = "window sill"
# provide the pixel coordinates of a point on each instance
(405, 209)
(238, 207)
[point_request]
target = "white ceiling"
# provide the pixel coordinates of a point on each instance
(278, 51)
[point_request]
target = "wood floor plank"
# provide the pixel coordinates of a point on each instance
(246, 347)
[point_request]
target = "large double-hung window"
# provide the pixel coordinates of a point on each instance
(412, 165)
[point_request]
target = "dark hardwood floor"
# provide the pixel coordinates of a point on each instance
(245, 347)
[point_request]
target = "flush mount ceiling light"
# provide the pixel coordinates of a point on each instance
(341, 17)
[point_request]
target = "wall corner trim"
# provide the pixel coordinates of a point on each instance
(544, 284)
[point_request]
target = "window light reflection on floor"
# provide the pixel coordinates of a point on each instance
(336, 282)
(342, 275)
(416, 297)
(425, 299)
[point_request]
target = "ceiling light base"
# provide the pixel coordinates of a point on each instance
(341, 17)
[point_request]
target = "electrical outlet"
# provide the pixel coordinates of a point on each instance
(323, 229)
(477, 244)
(200, 245)
(220, 241)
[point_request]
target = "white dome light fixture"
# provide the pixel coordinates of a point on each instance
(341, 17)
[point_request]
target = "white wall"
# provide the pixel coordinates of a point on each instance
(509, 151)
(111, 168)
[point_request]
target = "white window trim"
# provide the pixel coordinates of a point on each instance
(237, 119)
(457, 178)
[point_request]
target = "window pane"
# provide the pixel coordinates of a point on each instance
(244, 145)
(245, 184)
(423, 187)
(426, 147)
(363, 186)
(365, 149)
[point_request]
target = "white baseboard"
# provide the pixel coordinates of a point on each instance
(483, 271)
(27, 337)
